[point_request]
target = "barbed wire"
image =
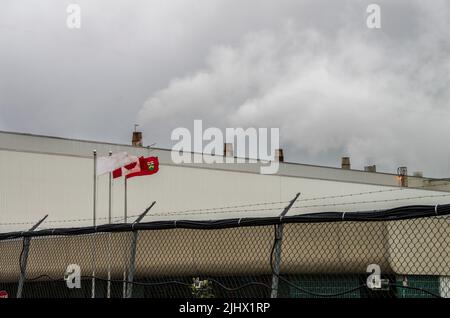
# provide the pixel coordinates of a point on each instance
(298, 207)
(317, 205)
(63, 221)
(371, 201)
(223, 209)
(199, 211)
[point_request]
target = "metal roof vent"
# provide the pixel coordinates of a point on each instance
(279, 155)
(228, 149)
(345, 163)
(372, 168)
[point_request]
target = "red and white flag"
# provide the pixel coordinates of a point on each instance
(141, 167)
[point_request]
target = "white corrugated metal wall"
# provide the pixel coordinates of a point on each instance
(33, 184)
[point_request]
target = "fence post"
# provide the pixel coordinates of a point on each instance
(278, 242)
(277, 260)
(108, 287)
(132, 268)
(24, 258)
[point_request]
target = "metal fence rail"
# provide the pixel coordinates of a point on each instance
(297, 257)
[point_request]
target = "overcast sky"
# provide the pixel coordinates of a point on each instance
(311, 68)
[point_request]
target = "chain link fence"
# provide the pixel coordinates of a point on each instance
(393, 254)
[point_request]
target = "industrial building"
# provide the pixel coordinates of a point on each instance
(48, 175)
(42, 175)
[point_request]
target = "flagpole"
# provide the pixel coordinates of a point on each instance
(110, 196)
(109, 235)
(125, 202)
(94, 219)
(124, 288)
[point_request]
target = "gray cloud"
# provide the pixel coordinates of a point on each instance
(377, 95)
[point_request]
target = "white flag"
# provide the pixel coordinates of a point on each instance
(110, 163)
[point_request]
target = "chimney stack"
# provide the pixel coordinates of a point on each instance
(345, 163)
(228, 149)
(372, 168)
(402, 176)
(136, 140)
(279, 155)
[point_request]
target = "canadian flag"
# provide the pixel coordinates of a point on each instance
(141, 167)
(115, 161)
